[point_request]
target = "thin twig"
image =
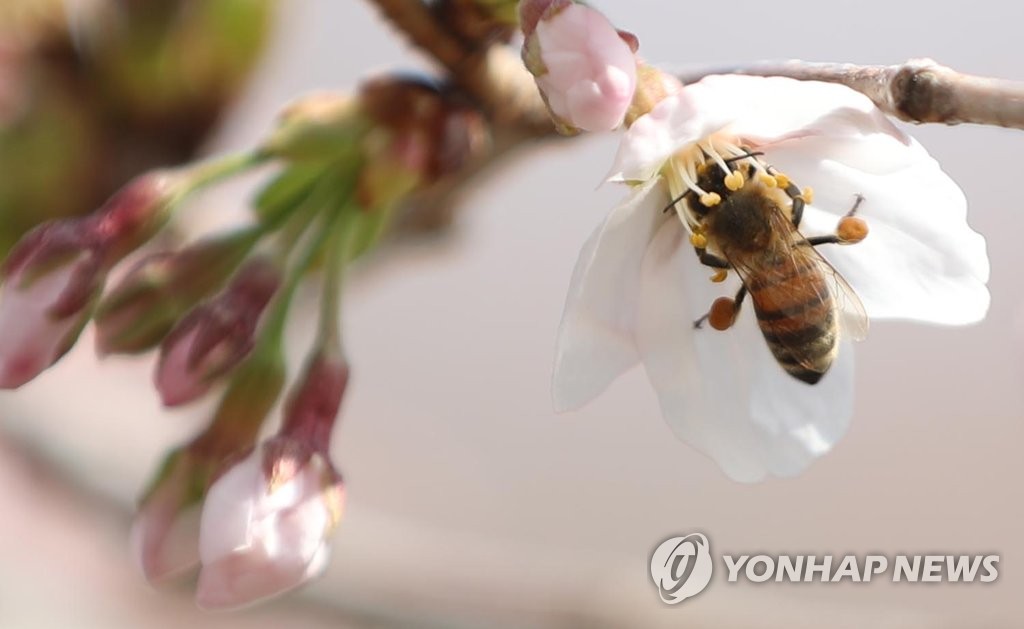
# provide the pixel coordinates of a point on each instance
(919, 90)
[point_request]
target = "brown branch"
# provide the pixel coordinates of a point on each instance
(415, 20)
(919, 90)
(490, 73)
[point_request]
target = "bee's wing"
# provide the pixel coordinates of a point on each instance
(854, 317)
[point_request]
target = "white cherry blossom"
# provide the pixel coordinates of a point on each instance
(638, 287)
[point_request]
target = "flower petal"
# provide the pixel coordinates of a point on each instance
(762, 110)
(770, 109)
(723, 392)
(680, 119)
(920, 260)
(241, 579)
(595, 338)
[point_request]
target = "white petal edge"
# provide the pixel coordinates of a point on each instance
(678, 120)
(769, 109)
(595, 338)
(763, 110)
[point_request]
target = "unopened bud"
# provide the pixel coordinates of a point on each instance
(141, 310)
(318, 127)
(266, 524)
(421, 133)
(314, 403)
(49, 283)
(585, 69)
(165, 533)
(135, 213)
(216, 336)
(53, 276)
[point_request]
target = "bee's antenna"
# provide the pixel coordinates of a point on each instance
(744, 156)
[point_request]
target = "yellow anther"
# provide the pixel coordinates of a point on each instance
(807, 194)
(720, 276)
(698, 240)
(710, 199)
(781, 180)
(734, 180)
(767, 180)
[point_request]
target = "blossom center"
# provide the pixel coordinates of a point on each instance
(683, 171)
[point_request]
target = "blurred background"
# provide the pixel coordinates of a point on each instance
(471, 503)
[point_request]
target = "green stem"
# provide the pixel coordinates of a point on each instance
(340, 251)
(277, 317)
(220, 168)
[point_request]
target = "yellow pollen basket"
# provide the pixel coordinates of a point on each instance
(698, 240)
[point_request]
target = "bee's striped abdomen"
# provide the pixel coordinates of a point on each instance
(797, 315)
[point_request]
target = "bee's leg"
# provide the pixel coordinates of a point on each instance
(711, 260)
(850, 229)
(723, 311)
(798, 203)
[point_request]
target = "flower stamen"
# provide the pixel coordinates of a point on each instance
(709, 149)
(686, 169)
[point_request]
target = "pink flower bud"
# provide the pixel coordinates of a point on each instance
(313, 406)
(134, 214)
(153, 295)
(53, 276)
(265, 525)
(585, 69)
(165, 533)
(216, 336)
(49, 280)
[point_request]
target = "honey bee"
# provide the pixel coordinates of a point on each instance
(751, 226)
